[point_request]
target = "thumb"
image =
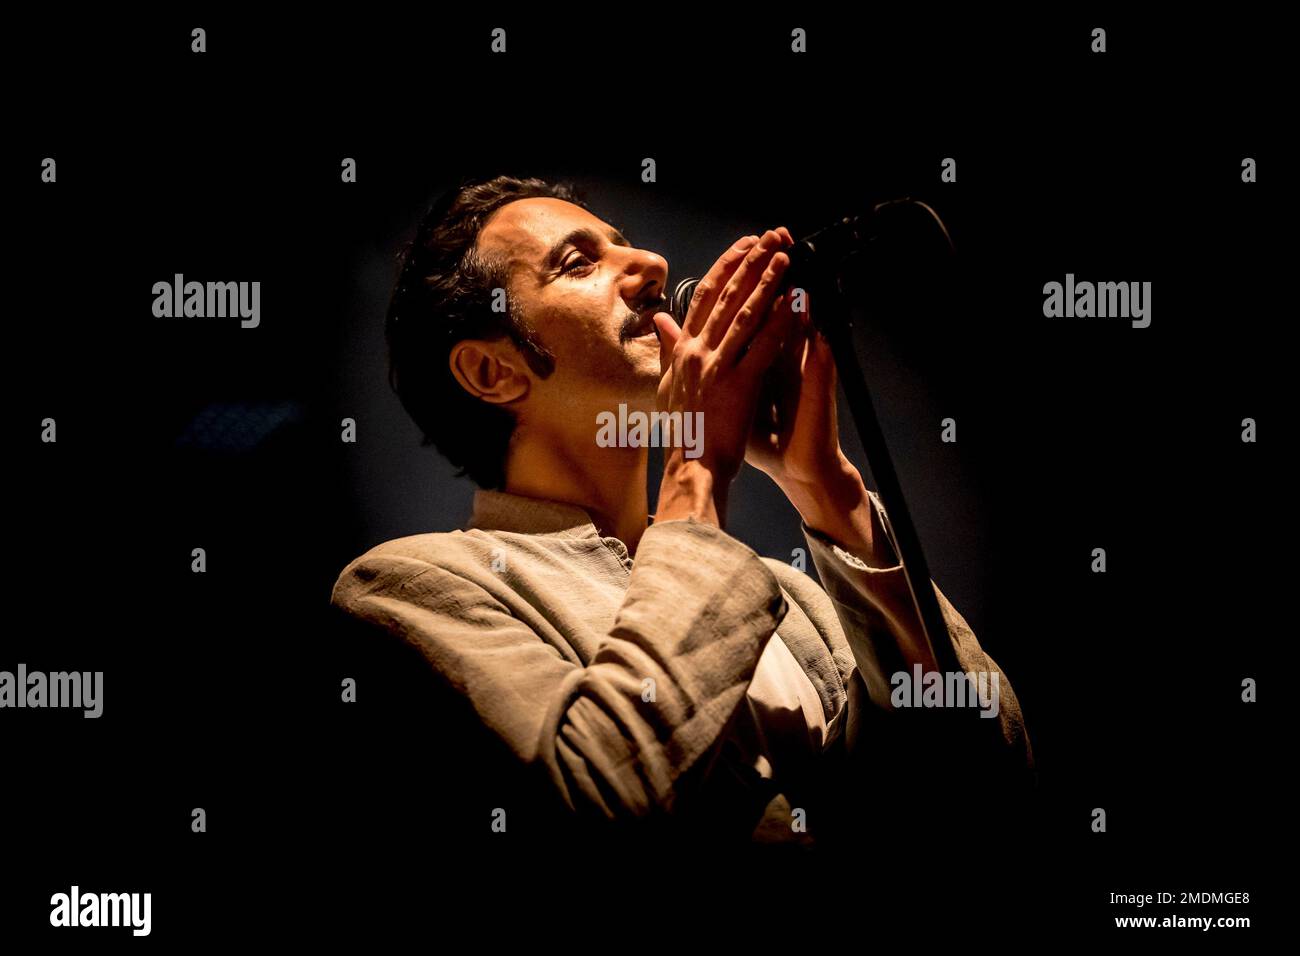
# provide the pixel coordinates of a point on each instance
(668, 332)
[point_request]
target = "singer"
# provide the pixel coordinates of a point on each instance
(620, 671)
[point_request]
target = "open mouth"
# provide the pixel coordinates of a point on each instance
(645, 327)
(641, 324)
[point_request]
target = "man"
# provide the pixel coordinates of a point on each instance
(620, 671)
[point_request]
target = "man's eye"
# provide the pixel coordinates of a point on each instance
(576, 261)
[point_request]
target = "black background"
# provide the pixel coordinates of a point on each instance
(221, 689)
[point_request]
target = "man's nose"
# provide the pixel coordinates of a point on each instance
(645, 275)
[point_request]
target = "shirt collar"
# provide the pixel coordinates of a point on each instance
(503, 511)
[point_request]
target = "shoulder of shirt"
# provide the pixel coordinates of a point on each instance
(392, 563)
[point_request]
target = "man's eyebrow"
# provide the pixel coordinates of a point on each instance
(555, 254)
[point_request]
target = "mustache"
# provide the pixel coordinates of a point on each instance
(635, 322)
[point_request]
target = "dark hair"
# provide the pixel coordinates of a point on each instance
(443, 295)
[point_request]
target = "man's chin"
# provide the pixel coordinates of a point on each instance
(644, 390)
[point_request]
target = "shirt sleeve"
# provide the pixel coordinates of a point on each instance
(874, 606)
(631, 733)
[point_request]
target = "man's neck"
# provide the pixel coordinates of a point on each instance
(608, 483)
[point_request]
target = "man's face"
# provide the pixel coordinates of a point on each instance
(581, 285)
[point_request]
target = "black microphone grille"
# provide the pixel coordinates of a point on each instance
(681, 300)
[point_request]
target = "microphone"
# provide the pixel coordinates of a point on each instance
(819, 255)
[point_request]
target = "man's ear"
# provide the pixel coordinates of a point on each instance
(492, 370)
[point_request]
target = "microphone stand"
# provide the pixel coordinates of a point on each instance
(840, 243)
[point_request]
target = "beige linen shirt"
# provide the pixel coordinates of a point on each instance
(698, 681)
